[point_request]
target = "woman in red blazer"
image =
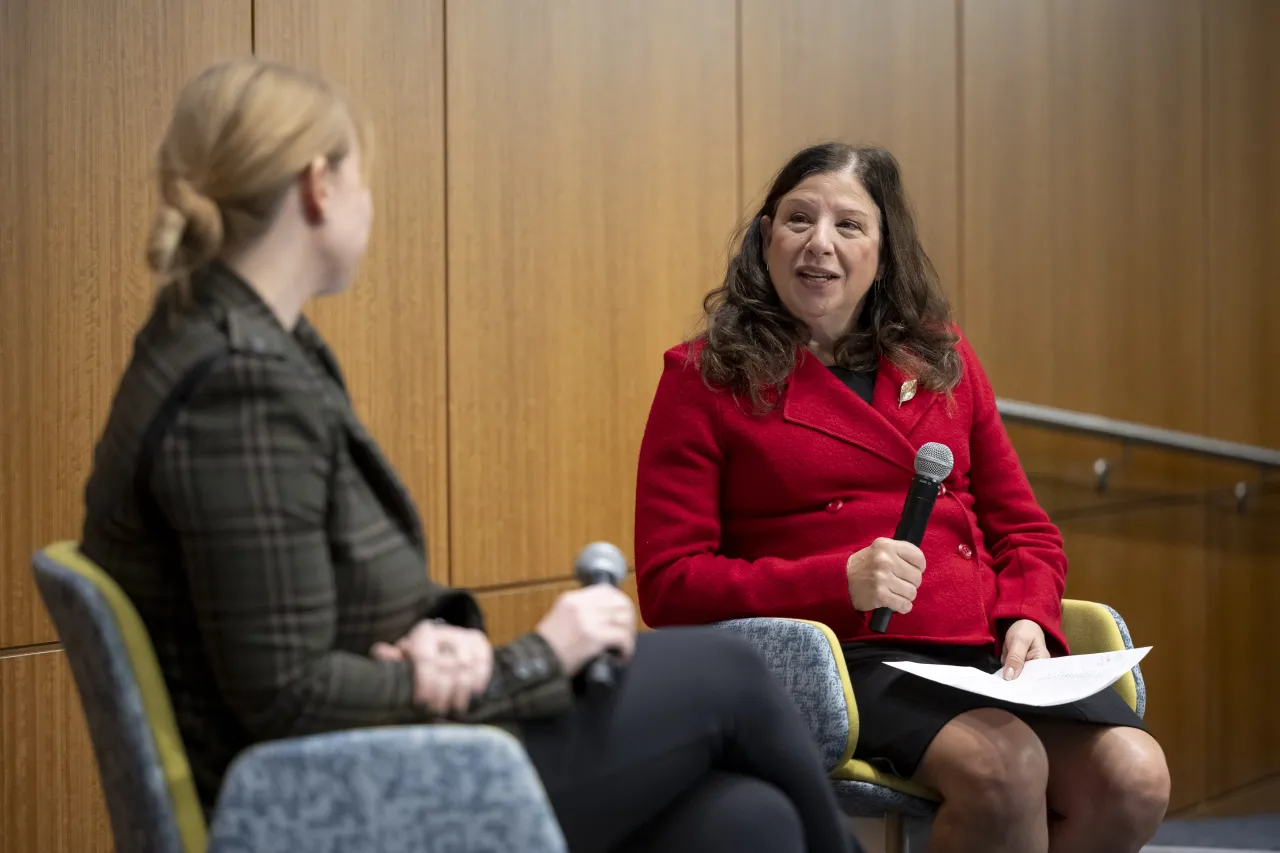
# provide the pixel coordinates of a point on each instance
(774, 466)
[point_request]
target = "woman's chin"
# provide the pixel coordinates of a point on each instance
(825, 313)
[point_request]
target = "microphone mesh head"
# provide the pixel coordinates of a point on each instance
(934, 461)
(600, 558)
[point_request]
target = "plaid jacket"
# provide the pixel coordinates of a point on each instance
(279, 545)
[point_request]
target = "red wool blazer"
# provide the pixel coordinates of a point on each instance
(739, 514)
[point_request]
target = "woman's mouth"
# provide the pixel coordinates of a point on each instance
(815, 275)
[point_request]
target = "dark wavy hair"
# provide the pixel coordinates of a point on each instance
(751, 341)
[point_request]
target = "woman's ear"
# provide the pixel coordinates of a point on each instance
(766, 231)
(314, 185)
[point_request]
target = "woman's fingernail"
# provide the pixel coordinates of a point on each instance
(1008, 673)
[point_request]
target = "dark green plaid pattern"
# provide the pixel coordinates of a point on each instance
(287, 547)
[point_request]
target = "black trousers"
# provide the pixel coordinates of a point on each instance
(697, 748)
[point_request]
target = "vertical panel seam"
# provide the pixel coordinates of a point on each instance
(737, 63)
(450, 533)
(959, 153)
(1205, 212)
(1209, 560)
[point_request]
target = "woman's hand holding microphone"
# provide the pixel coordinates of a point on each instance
(886, 573)
(587, 622)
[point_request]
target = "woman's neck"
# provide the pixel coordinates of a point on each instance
(822, 340)
(824, 351)
(278, 277)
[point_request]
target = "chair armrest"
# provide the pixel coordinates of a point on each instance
(386, 790)
(806, 658)
(1092, 628)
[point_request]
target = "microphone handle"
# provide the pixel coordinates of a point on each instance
(600, 672)
(915, 517)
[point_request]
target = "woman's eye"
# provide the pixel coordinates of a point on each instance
(849, 224)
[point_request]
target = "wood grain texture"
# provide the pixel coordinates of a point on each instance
(1083, 222)
(50, 797)
(1084, 204)
(592, 188)
(1242, 301)
(517, 610)
(85, 91)
(389, 329)
(1242, 292)
(858, 71)
(1156, 581)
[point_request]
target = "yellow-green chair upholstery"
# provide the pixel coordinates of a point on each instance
(426, 789)
(806, 658)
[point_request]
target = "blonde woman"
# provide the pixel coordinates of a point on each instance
(279, 563)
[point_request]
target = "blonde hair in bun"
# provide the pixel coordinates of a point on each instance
(240, 135)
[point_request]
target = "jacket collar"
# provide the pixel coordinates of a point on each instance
(251, 322)
(816, 399)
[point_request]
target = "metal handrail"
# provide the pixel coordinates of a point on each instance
(1013, 411)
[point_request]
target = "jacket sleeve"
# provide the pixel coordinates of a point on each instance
(528, 683)
(681, 577)
(1025, 547)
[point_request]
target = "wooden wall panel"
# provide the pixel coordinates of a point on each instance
(592, 188)
(1084, 203)
(50, 797)
(857, 71)
(517, 610)
(1084, 252)
(85, 91)
(1150, 566)
(1242, 297)
(389, 329)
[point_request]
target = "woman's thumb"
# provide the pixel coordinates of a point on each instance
(1013, 663)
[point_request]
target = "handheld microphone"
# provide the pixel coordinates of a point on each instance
(600, 562)
(933, 465)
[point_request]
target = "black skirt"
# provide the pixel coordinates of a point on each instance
(900, 714)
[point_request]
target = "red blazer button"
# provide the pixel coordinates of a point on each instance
(835, 506)
(966, 552)
(942, 490)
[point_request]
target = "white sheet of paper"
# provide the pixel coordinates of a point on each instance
(1054, 681)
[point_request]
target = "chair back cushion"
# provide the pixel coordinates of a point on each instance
(145, 775)
(412, 789)
(806, 658)
(1092, 628)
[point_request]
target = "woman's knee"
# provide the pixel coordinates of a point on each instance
(1132, 794)
(750, 814)
(991, 763)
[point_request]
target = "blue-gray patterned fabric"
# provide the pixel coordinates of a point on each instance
(142, 819)
(866, 799)
(799, 655)
(1141, 709)
(425, 789)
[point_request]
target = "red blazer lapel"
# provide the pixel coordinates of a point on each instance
(904, 417)
(816, 399)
